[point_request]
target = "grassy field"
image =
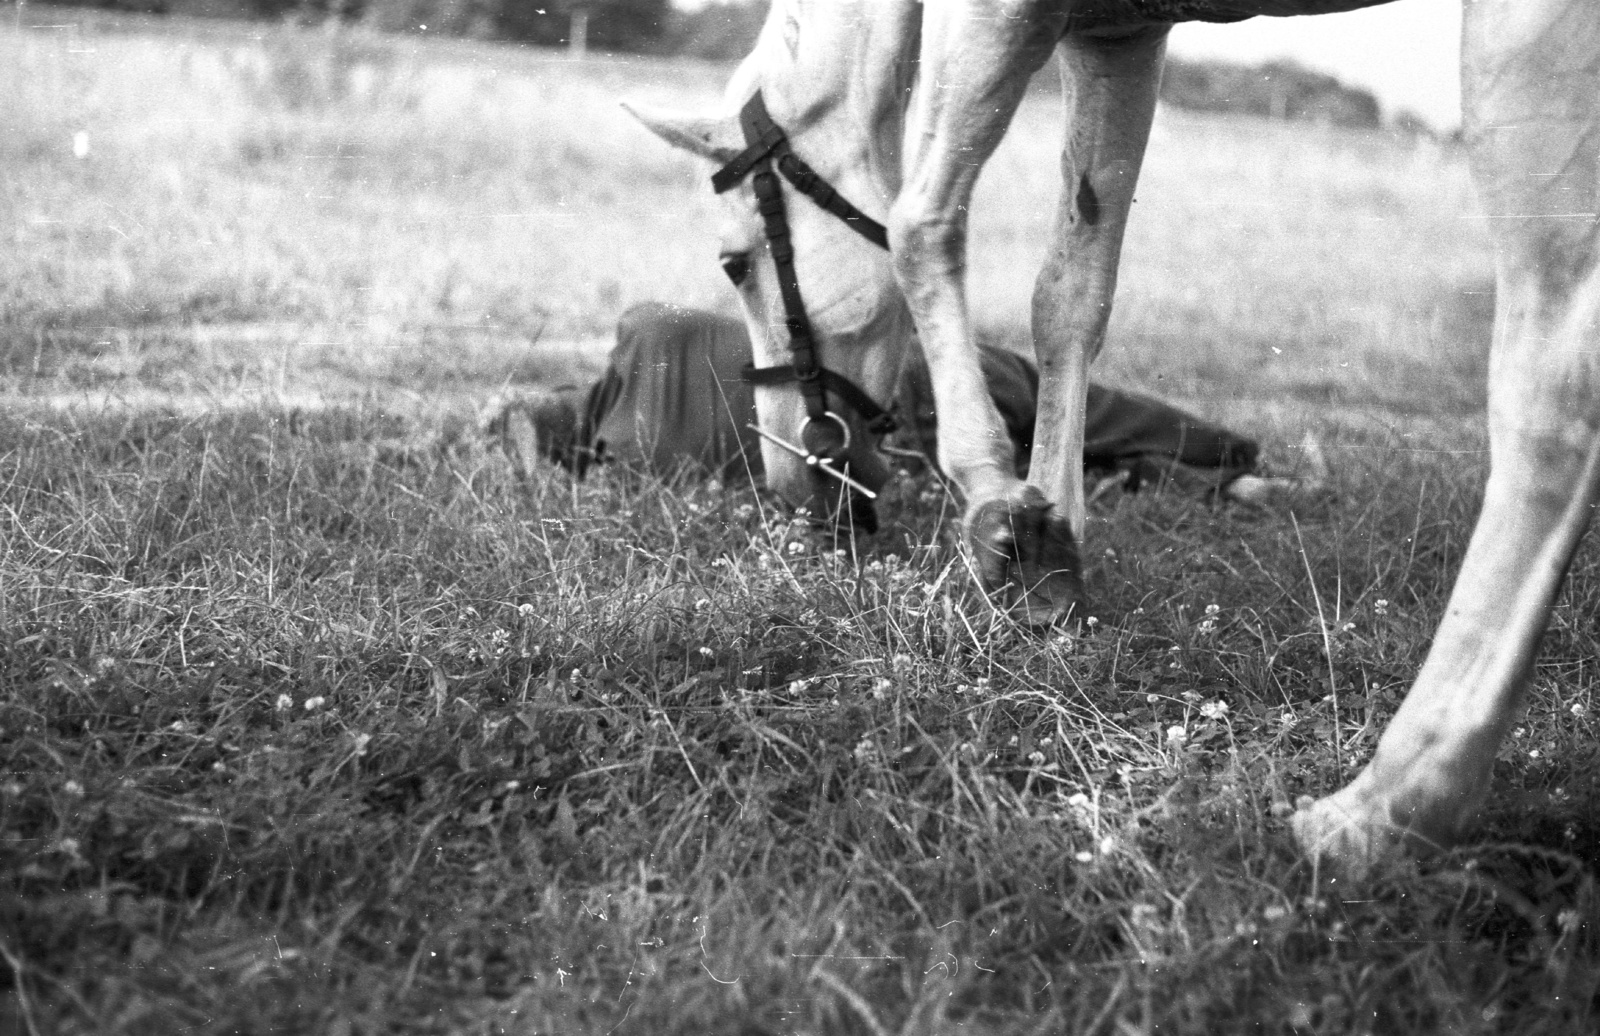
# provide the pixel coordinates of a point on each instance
(314, 719)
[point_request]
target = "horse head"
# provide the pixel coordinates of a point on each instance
(807, 160)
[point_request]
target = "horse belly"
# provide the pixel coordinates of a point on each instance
(1110, 15)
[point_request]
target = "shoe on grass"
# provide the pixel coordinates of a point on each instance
(536, 429)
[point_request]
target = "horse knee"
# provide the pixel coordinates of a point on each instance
(926, 242)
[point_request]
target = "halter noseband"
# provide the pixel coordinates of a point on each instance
(767, 153)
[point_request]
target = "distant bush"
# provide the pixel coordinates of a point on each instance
(1276, 90)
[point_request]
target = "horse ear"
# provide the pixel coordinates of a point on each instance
(713, 138)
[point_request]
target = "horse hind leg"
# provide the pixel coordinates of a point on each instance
(1111, 84)
(1533, 107)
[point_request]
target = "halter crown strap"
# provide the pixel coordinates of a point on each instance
(767, 140)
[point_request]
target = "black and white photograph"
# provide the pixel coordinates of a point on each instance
(799, 517)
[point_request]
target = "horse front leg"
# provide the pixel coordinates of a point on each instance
(1112, 84)
(1532, 74)
(977, 58)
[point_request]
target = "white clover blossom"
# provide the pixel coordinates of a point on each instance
(1177, 736)
(314, 703)
(1214, 709)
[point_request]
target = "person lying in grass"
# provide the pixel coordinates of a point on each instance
(671, 398)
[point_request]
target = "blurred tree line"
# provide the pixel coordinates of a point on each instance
(714, 31)
(726, 30)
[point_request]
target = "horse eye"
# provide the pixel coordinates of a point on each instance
(737, 266)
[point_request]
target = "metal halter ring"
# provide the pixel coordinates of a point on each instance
(844, 427)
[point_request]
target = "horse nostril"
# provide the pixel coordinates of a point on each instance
(855, 514)
(737, 266)
(863, 515)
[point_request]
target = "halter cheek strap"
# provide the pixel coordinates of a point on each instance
(767, 155)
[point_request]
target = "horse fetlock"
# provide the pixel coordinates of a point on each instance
(1026, 556)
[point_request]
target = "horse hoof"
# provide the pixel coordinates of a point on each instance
(1354, 833)
(1027, 556)
(1349, 841)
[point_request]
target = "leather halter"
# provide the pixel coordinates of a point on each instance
(766, 155)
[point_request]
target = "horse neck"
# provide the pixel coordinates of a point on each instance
(837, 75)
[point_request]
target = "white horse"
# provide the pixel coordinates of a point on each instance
(836, 75)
